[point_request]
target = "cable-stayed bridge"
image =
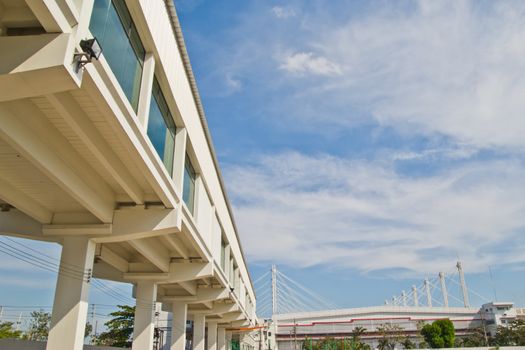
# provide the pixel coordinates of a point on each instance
(279, 294)
(297, 313)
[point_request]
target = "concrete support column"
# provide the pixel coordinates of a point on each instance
(221, 338)
(70, 306)
(146, 295)
(228, 340)
(199, 331)
(178, 325)
(444, 291)
(212, 335)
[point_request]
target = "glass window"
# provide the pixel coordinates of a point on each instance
(161, 128)
(111, 24)
(188, 192)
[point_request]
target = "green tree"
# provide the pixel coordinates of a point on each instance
(391, 334)
(7, 331)
(475, 338)
(358, 344)
(408, 343)
(307, 344)
(119, 328)
(38, 326)
(439, 334)
(510, 335)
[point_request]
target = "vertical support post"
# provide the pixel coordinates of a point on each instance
(178, 325)
(394, 301)
(179, 158)
(228, 340)
(466, 302)
(199, 331)
(386, 301)
(274, 290)
(227, 254)
(70, 307)
(415, 296)
(221, 338)
(443, 288)
(143, 329)
(146, 87)
(427, 290)
(404, 296)
(212, 335)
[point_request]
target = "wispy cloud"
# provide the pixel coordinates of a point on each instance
(453, 68)
(303, 63)
(283, 12)
(309, 210)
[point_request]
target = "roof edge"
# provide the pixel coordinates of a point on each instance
(177, 31)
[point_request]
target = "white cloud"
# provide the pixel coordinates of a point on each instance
(303, 210)
(303, 63)
(283, 12)
(453, 68)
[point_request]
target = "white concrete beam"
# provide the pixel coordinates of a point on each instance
(110, 257)
(152, 250)
(18, 224)
(203, 295)
(218, 309)
(50, 15)
(76, 230)
(138, 223)
(175, 244)
(24, 203)
(189, 286)
(233, 316)
(80, 123)
(178, 272)
(50, 161)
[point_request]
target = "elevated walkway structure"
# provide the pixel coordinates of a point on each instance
(113, 160)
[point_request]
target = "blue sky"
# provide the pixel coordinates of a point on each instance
(365, 144)
(369, 144)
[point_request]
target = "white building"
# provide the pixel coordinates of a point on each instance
(497, 314)
(292, 329)
(113, 160)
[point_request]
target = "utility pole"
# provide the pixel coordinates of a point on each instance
(93, 308)
(19, 321)
(274, 290)
(414, 296)
(443, 288)
(463, 284)
(427, 289)
(294, 334)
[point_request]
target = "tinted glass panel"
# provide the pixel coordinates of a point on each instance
(161, 128)
(112, 26)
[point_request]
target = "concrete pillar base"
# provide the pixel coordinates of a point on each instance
(70, 307)
(146, 294)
